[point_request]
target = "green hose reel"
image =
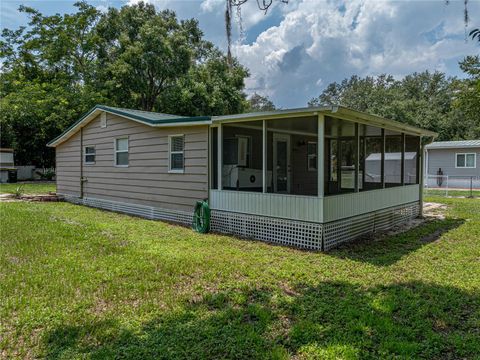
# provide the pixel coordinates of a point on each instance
(201, 217)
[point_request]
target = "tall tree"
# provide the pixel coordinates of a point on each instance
(422, 99)
(258, 102)
(467, 99)
(133, 57)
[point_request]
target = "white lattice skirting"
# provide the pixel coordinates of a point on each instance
(301, 234)
(340, 231)
(309, 235)
(149, 212)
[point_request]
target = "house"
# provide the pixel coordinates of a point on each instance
(452, 164)
(7, 166)
(310, 177)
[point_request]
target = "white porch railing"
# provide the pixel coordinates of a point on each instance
(312, 208)
(295, 207)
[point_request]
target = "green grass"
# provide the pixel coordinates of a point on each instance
(80, 283)
(452, 192)
(28, 188)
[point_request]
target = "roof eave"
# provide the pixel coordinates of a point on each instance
(341, 111)
(97, 109)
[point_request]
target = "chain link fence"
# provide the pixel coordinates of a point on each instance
(452, 185)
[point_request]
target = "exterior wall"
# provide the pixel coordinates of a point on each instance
(445, 159)
(6, 159)
(68, 156)
(146, 181)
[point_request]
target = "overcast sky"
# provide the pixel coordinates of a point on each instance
(296, 49)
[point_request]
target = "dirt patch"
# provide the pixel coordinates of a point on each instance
(30, 197)
(431, 211)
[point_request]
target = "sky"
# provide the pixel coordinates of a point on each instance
(295, 50)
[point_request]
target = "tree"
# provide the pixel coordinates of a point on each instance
(421, 99)
(132, 57)
(467, 99)
(258, 103)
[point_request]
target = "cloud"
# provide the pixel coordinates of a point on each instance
(318, 42)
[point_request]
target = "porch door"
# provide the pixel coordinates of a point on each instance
(281, 163)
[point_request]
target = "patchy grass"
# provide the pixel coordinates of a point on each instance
(28, 187)
(452, 193)
(82, 283)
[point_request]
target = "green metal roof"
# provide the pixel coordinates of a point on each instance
(151, 117)
(145, 117)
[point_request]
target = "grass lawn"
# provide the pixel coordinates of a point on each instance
(82, 283)
(452, 192)
(28, 188)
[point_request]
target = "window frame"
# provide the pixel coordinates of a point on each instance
(85, 155)
(465, 157)
(310, 156)
(170, 153)
(115, 151)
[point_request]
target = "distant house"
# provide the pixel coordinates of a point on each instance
(452, 163)
(309, 177)
(6, 164)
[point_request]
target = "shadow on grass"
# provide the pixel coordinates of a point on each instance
(331, 320)
(386, 250)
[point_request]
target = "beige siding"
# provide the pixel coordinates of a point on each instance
(146, 180)
(68, 166)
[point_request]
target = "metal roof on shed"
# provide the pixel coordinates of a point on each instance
(454, 144)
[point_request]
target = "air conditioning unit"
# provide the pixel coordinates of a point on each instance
(241, 178)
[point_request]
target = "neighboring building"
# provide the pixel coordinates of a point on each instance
(6, 164)
(452, 163)
(264, 174)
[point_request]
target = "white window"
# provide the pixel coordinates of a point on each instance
(89, 155)
(175, 153)
(312, 156)
(466, 160)
(121, 152)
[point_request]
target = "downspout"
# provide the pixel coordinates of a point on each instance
(81, 163)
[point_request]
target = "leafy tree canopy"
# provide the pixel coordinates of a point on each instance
(428, 100)
(258, 102)
(61, 65)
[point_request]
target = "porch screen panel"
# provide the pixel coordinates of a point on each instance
(292, 156)
(371, 154)
(340, 156)
(412, 149)
(242, 156)
(393, 158)
(214, 158)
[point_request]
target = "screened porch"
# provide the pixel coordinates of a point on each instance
(311, 166)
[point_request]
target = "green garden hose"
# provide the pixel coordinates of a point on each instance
(201, 217)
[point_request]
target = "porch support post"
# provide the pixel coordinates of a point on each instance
(321, 155)
(357, 157)
(420, 172)
(219, 157)
(382, 165)
(402, 181)
(264, 156)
